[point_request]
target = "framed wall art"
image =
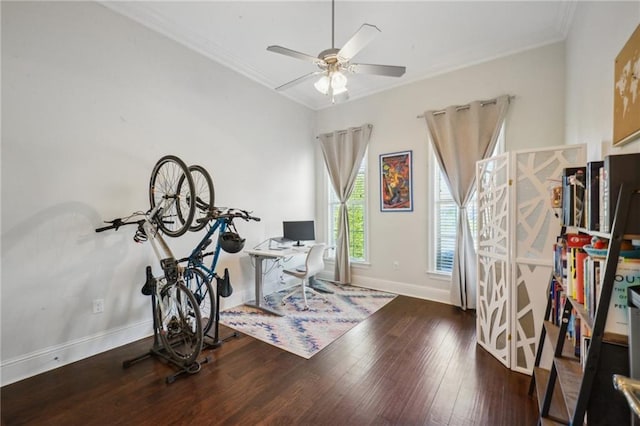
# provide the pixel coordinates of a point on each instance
(626, 97)
(396, 192)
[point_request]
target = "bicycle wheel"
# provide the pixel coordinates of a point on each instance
(177, 205)
(204, 194)
(197, 282)
(178, 317)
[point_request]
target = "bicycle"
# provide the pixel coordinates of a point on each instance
(198, 276)
(177, 322)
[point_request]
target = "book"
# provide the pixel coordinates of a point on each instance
(627, 275)
(573, 186)
(592, 195)
(591, 285)
(578, 240)
(571, 273)
(578, 181)
(581, 257)
(603, 221)
(557, 301)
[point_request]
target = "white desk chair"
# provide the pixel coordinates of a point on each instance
(313, 265)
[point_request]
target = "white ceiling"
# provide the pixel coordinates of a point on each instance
(428, 37)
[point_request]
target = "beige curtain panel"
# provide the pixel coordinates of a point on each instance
(343, 151)
(461, 136)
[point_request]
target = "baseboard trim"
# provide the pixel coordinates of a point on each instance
(24, 366)
(405, 289)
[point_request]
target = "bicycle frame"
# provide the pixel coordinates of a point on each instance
(158, 243)
(195, 259)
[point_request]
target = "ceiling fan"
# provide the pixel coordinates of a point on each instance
(334, 63)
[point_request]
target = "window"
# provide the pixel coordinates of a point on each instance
(445, 213)
(444, 225)
(357, 206)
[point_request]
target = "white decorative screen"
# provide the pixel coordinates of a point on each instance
(536, 227)
(492, 331)
(493, 205)
(530, 301)
(514, 206)
(536, 223)
(493, 247)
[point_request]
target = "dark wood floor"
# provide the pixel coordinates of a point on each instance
(413, 362)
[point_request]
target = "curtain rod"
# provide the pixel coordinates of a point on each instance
(467, 106)
(344, 130)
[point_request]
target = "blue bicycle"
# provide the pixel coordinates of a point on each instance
(199, 275)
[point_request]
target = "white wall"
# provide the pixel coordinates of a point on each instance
(535, 119)
(90, 101)
(598, 33)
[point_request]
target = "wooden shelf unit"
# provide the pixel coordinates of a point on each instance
(567, 393)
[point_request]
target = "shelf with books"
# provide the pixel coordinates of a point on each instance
(585, 325)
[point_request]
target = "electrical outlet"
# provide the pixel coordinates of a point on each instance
(98, 306)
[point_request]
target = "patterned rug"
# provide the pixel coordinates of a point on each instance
(306, 332)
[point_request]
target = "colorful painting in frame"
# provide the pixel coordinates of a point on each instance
(396, 193)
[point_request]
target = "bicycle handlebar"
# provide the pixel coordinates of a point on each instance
(227, 213)
(117, 223)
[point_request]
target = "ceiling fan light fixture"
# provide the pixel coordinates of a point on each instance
(322, 85)
(337, 80)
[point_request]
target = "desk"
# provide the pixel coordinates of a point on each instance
(265, 254)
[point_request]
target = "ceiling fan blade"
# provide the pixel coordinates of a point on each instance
(299, 80)
(294, 54)
(358, 41)
(386, 70)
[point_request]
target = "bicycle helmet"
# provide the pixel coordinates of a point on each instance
(231, 242)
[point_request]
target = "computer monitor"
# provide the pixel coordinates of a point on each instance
(302, 230)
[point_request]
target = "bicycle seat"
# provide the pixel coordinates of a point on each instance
(224, 284)
(149, 284)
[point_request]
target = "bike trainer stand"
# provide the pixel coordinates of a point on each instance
(158, 349)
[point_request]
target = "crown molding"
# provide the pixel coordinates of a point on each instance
(565, 17)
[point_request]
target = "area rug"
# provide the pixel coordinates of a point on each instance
(306, 332)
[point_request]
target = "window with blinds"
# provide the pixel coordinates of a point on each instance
(445, 213)
(357, 206)
(445, 226)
